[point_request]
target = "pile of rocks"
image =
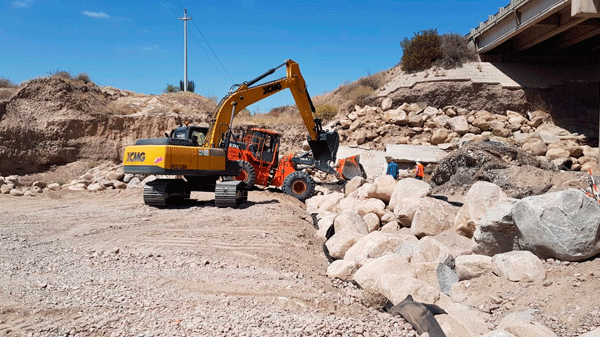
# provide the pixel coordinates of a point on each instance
(383, 235)
(102, 177)
(447, 127)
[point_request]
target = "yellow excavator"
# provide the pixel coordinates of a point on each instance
(200, 154)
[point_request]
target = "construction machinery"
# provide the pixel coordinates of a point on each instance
(196, 163)
(258, 154)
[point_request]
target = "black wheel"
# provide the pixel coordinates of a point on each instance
(299, 185)
(247, 174)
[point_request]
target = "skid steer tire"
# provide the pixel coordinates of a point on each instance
(299, 185)
(247, 174)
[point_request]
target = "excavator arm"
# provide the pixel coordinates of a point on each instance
(324, 145)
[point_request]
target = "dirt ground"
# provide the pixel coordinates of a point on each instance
(104, 264)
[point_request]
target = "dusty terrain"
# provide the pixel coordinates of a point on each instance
(103, 264)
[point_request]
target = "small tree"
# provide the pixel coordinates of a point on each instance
(170, 89)
(191, 86)
(421, 51)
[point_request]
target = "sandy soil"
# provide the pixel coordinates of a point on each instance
(104, 264)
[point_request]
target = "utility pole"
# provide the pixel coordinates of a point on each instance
(185, 20)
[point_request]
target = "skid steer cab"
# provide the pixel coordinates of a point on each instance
(258, 155)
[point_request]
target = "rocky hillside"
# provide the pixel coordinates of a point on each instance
(55, 121)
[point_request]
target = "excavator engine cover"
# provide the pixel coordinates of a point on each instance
(324, 150)
(350, 167)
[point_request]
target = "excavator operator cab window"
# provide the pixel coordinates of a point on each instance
(179, 134)
(199, 136)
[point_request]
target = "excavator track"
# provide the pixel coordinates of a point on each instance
(230, 193)
(163, 192)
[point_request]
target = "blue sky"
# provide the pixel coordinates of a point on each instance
(138, 45)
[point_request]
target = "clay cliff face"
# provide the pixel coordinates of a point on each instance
(53, 121)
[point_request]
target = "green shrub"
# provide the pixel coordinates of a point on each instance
(420, 52)
(455, 51)
(170, 89)
(326, 112)
(6, 83)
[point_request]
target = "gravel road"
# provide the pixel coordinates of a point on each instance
(104, 264)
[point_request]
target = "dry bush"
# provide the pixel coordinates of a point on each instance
(83, 77)
(421, 51)
(455, 51)
(374, 81)
(60, 74)
(373, 300)
(359, 94)
(6, 93)
(6, 83)
(326, 112)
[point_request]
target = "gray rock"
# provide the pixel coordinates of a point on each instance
(497, 232)
(120, 185)
(446, 278)
(115, 175)
(14, 180)
(518, 266)
(127, 178)
(561, 225)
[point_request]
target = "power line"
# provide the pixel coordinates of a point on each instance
(213, 52)
(208, 57)
(200, 45)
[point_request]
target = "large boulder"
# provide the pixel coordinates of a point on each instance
(368, 275)
(340, 242)
(432, 217)
(328, 203)
(375, 245)
(497, 232)
(382, 188)
(471, 266)
(372, 221)
(371, 205)
(409, 187)
(562, 225)
(396, 288)
(459, 124)
(354, 184)
(429, 250)
(342, 269)
(480, 198)
(518, 266)
(405, 209)
(350, 221)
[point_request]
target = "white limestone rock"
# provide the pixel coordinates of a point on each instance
(481, 197)
(519, 266)
(342, 269)
(472, 266)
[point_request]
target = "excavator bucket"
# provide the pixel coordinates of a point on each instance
(350, 167)
(324, 150)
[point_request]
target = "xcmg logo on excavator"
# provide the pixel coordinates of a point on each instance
(133, 157)
(272, 88)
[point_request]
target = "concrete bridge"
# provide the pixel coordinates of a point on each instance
(532, 30)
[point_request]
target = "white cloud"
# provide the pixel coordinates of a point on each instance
(96, 15)
(22, 3)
